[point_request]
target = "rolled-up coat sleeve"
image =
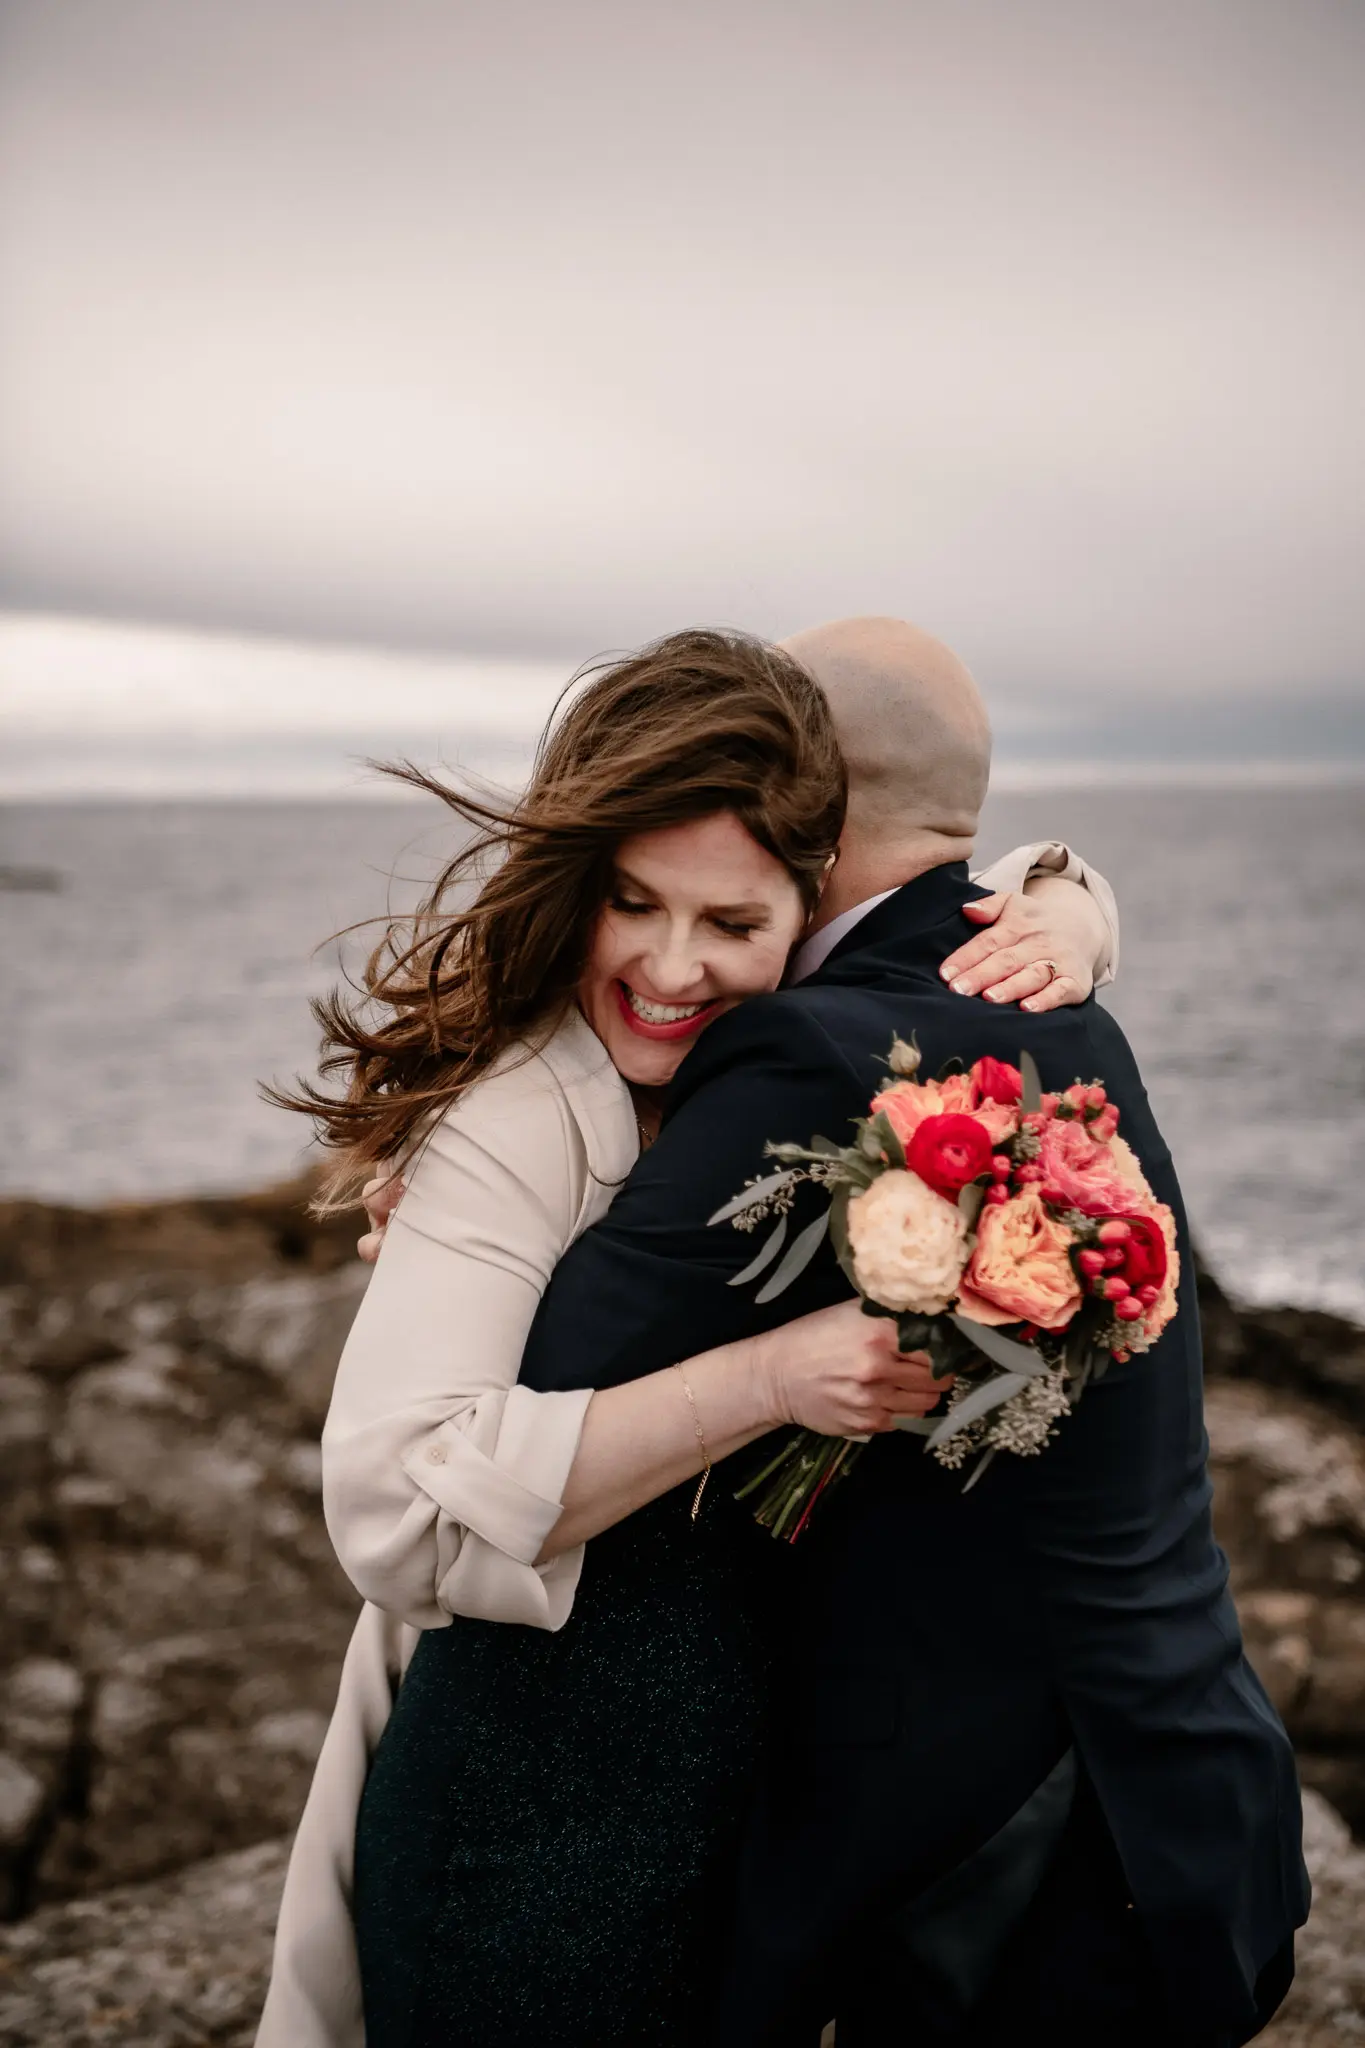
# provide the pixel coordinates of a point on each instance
(441, 1476)
(1055, 857)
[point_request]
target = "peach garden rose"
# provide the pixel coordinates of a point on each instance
(1021, 1269)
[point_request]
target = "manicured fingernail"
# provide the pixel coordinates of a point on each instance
(1031, 1004)
(962, 988)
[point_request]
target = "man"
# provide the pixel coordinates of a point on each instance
(1020, 1776)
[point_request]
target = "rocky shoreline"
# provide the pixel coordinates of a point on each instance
(172, 1618)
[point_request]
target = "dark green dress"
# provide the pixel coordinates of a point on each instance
(545, 1846)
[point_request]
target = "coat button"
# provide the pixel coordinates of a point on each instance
(436, 1454)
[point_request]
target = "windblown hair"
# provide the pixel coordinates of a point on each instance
(697, 723)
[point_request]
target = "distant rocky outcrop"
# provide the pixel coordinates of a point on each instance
(172, 1618)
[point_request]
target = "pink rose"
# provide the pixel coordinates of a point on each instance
(1021, 1270)
(1082, 1174)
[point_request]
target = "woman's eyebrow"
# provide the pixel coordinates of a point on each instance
(756, 912)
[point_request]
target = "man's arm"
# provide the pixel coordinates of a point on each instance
(649, 1286)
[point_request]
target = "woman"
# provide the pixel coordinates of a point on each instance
(547, 1821)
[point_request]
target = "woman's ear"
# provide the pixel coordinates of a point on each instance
(828, 868)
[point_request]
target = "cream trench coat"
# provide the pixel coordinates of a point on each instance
(441, 1476)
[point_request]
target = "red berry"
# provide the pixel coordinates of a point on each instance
(1148, 1294)
(1114, 1258)
(1002, 1167)
(1031, 1172)
(997, 1194)
(1120, 1357)
(1117, 1289)
(1115, 1230)
(1027, 1332)
(1095, 1098)
(1090, 1261)
(1129, 1309)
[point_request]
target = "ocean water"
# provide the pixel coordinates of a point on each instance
(166, 968)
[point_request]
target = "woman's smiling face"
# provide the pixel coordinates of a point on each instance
(698, 917)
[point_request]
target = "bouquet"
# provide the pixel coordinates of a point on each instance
(1011, 1234)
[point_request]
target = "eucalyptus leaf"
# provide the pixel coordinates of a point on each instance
(1033, 1085)
(796, 1258)
(1079, 1380)
(914, 1425)
(986, 1458)
(890, 1144)
(772, 1246)
(1020, 1359)
(838, 1231)
(970, 1201)
(982, 1400)
(759, 1192)
(826, 1147)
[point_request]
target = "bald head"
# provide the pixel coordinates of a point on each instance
(917, 741)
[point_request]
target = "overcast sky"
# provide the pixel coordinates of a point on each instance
(525, 329)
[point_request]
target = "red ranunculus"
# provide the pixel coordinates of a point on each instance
(998, 1080)
(1144, 1253)
(948, 1151)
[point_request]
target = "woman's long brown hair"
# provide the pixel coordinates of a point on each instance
(698, 722)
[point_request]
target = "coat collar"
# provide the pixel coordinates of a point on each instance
(906, 916)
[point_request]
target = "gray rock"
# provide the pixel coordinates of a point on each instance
(294, 1328)
(39, 1701)
(1326, 2004)
(297, 1733)
(177, 1964)
(1290, 1507)
(21, 1801)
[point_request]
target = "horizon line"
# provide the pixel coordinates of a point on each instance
(1019, 777)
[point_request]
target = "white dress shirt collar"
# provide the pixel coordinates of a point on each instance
(818, 947)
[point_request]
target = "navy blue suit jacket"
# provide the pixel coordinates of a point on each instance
(937, 1652)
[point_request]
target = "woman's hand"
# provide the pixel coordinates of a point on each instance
(381, 1197)
(838, 1372)
(1058, 925)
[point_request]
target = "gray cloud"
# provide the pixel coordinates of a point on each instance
(538, 328)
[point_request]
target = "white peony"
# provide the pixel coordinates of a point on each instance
(909, 1245)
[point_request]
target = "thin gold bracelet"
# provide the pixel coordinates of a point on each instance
(701, 1439)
